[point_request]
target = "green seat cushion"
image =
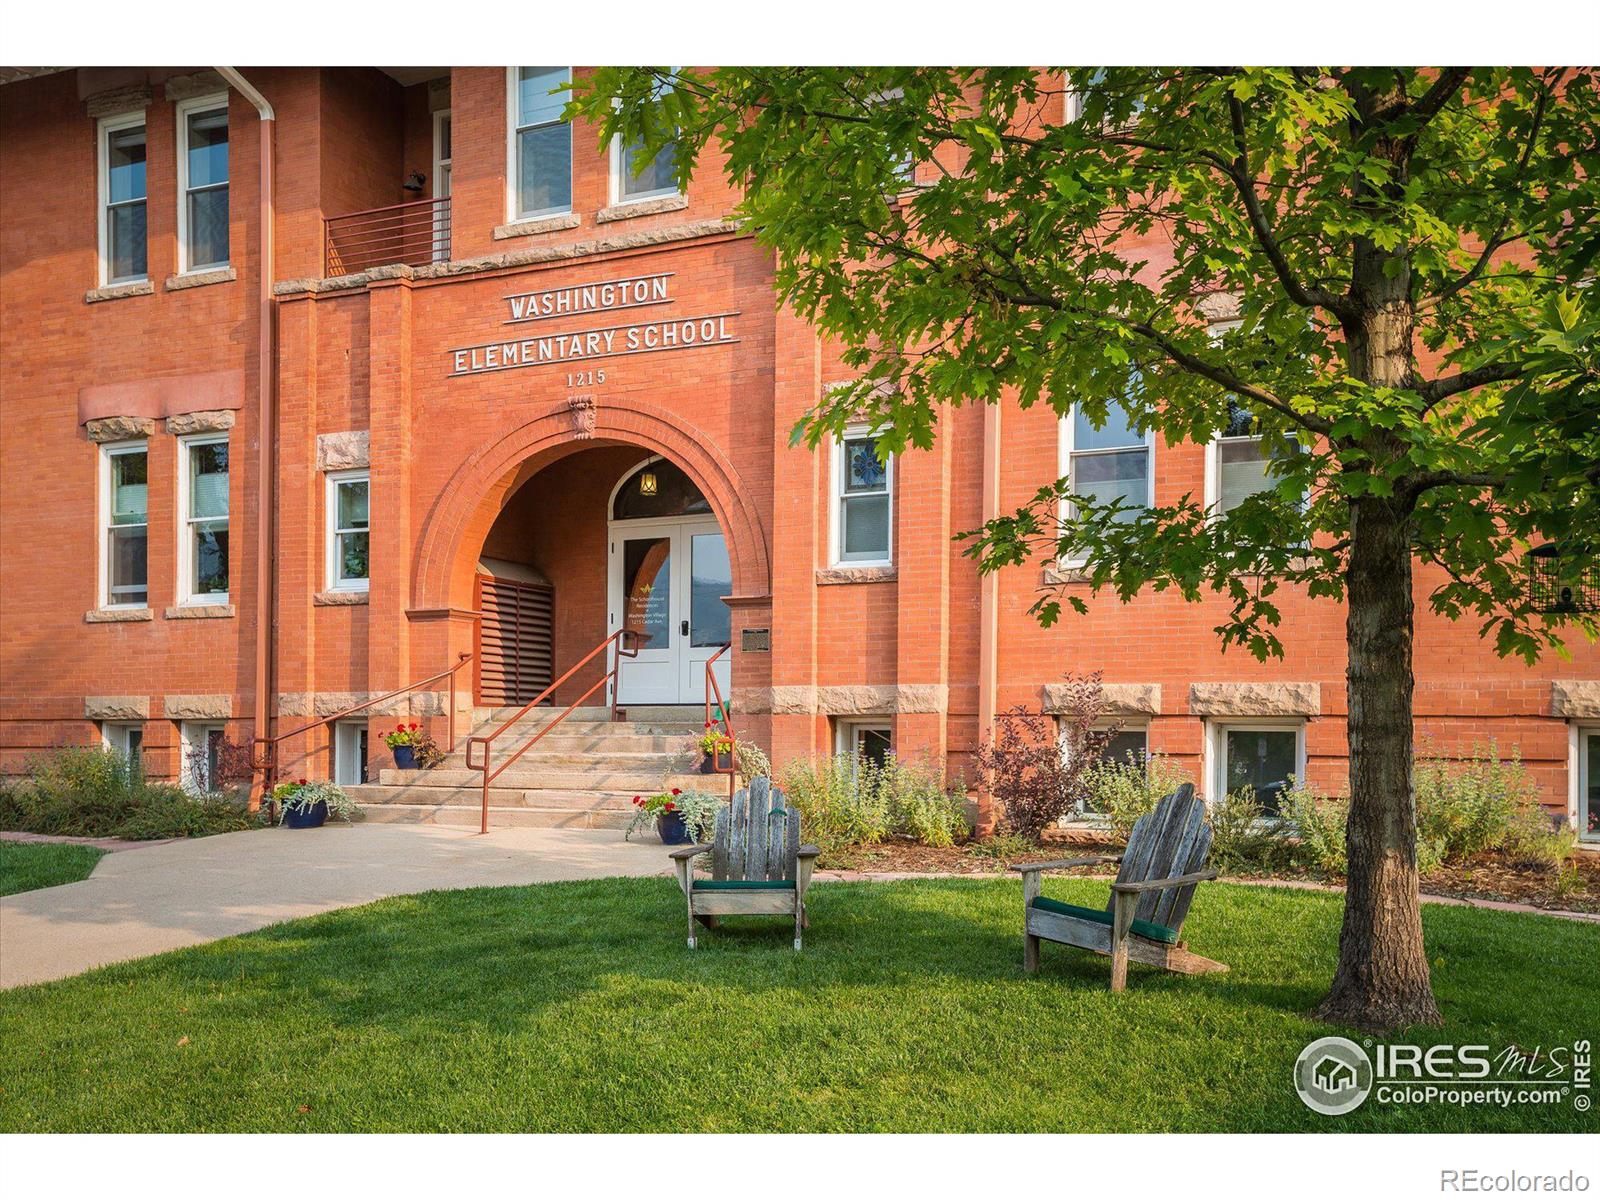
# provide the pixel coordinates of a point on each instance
(1145, 929)
(744, 885)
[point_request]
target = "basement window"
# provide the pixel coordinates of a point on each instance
(350, 753)
(126, 741)
(1265, 758)
(201, 769)
(865, 741)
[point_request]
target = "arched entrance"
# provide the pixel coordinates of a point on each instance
(668, 573)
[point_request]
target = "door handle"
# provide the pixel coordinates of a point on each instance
(683, 628)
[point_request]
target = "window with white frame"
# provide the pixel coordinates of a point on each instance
(203, 520)
(122, 200)
(442, 151)
(125, 535)
(1261, 757)
(1128, 746)
(1586, 810)
(127, 742)
(863, 507)
(866, 741)
(541, 142)
(1109, 462)
(347, 531)
(640, 175)
(201, 746)
(203, 183)
(350, 753)
(1237, 462)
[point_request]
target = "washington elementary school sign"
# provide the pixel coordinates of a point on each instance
(553, 307)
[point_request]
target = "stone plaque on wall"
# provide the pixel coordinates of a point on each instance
(756, 641)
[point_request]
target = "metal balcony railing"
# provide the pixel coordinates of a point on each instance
(415, 234)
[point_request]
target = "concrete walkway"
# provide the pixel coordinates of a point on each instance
(187, 892)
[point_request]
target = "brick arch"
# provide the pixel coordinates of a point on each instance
(466, 508)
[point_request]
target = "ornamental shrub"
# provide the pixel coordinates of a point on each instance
(1121, 791)
(79, 792)
(849, 799)
(1468, 805)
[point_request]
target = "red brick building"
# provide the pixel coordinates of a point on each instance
(495, 389)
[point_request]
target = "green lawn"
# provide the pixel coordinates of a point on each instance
(25, 866)
(568, 1007)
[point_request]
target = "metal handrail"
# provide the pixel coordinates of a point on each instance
(623, 650)
(732, 769)
(267, 762)
(414, 233)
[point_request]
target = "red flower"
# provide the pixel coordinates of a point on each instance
(669, 805)
(303, 782)
(413, 724)
(636, 800)
(677, 791)
(708, 724)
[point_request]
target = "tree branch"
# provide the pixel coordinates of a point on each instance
(1239, 172)
(1443, 388)
(1447, 85)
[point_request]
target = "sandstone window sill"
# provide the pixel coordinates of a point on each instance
(107, 616)
(1055, 573)
(200, 612)
(194, 279)
(119, 291)
(338, 599)
(641, 208)
(838, 575)
(555, 224)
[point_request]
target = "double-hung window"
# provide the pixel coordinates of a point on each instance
(863, 486)
(125, 492)
(641, 175)
(203, 184)
(348, 536)
(541, 142)
(122, 200)
(1240, 464)
(203, 508)
(1109, 462)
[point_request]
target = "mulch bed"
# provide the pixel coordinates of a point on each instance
(1487, 876)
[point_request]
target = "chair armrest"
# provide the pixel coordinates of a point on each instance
(808, 851)
(688, 852)
(1058, 864)
(1153, 885)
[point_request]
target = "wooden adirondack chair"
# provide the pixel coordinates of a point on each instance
(1162, 865)
(757, 862)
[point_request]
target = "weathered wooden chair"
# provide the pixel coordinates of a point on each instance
(758, 865)
(1162, 865)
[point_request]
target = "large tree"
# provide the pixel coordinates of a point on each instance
(1404, 255)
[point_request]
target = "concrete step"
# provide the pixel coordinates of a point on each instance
(606, 740)
(552, 798)
(575, 779)
(499, 818)
(578, 760)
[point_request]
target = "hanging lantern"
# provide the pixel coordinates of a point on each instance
(647, 483)
(1552, 587)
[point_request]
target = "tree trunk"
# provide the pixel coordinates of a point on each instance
(1382, 981)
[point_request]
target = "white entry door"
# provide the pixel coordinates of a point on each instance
(668, 578)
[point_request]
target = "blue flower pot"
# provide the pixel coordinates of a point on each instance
(671, 828)
(405, 757)
(307, 818)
